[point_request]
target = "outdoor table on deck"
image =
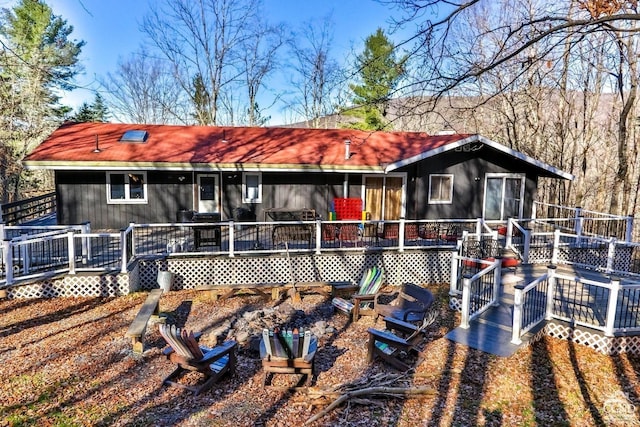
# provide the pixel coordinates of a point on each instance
(285, 233)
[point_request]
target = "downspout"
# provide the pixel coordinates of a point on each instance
(347, 155)
(345, 185)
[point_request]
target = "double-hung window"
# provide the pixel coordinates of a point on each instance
(440, 189)
(126, 187)
(251, 188)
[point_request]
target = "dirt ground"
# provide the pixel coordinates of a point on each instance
(66, 362)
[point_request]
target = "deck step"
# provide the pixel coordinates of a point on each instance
(491, 332)
(485, 337)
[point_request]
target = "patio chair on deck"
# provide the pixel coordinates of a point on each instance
(361, 303)
(185, 351)
(349, 233)
(452, 234)
(430, 232)
(411, 232)
(391, 232)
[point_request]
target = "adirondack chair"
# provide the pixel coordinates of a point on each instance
(287, 352)
(361, 303)
(185, 351)
(397, 345)
(411, 304)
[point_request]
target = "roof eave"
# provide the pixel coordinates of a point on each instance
(478, 138)
(198, 167)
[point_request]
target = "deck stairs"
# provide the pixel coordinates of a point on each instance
(491, 331)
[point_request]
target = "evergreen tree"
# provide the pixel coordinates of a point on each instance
(380, 72)
(37, 60)
(201, 101)
(95, 112)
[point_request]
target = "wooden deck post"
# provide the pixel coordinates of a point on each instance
(611, 307)
(401, 235)
(71, 252)
(25, 254)
(318, 237)
(466, 300)
(8, 261)
(551, 290)
(527, 245)
(611, 253)
(517, 315)
(497, 281)
(86, 245)
(556, 246)
(231, 239)
(453, 284)
(123, 251)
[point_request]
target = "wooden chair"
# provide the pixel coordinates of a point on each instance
(411, 304)
(185, 351)
(329, 232)
(287, 352)
(452, 233)
(361, 303)
(397, 345)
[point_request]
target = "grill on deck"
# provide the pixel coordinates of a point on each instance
(207, 235)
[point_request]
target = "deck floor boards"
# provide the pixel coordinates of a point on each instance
(491, 331)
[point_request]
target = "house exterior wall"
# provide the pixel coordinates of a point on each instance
(284, 190)
(468, 192)
(82, 196)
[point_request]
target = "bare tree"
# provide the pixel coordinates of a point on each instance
(259, 59)
(144, 90)
(201, 40)
(541, 68)
(316, 78)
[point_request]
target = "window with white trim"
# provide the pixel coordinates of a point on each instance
(126, 187)
(440, 189)
(251, 187)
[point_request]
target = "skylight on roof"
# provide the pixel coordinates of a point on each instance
(135, 136)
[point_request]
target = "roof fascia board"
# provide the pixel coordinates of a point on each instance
(525, 158)
(490, 143)
(426, 154)
(101, 166)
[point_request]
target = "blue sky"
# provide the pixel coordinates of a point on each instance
(110, 29)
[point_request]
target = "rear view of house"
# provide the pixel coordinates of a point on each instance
(112, 174)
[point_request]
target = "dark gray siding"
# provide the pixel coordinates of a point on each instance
(291, 190)
(82, 197)
(468, 192)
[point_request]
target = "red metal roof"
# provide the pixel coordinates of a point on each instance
(76, 143)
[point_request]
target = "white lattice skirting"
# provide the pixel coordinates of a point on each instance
(594, 340)
(416, 266)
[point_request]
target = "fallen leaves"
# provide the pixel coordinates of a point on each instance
(67, 362)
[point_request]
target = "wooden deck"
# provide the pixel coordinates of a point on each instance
(491, 331)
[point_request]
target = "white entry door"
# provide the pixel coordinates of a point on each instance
(208, 201)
